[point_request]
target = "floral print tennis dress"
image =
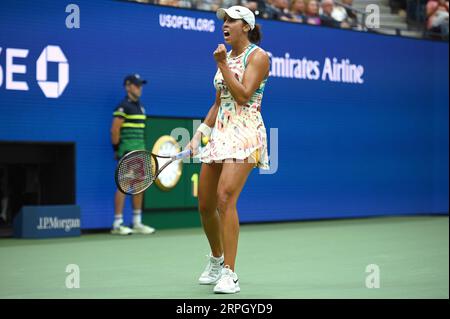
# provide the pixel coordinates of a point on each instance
(239, 130)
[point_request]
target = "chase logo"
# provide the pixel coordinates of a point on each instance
(51, 53)
(52, 89)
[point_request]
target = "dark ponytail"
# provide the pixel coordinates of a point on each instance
(255, 35)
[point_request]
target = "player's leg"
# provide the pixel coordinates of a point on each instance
(231, 182)
(119, 202)
(207, 203)
(137, 201)
(118, 227)
(138, 227)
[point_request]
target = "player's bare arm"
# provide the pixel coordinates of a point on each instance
(255, 72)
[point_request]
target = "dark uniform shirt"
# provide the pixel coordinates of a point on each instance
(132, 129)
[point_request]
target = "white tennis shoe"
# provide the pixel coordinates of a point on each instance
(121, 230)
(228, 282)
(143, 229)
(212, 271)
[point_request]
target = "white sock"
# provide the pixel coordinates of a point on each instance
(118, 220)
(137, 217)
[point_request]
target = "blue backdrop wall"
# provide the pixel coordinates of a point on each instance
(361, 120)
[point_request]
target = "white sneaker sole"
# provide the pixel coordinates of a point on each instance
(208, 282)
(120, 234)
(218, 291)
(143, 233)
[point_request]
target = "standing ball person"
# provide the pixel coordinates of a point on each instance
(127, 134)
(237, 142)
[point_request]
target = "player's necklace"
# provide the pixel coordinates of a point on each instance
(245, 49)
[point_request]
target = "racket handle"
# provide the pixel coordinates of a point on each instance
(183, 154)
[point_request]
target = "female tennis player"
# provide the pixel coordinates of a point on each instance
(237, 142)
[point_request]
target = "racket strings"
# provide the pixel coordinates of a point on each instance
(136, 172)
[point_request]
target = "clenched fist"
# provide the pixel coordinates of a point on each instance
(220, 55)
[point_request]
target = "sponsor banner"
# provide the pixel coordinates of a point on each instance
(48, 221)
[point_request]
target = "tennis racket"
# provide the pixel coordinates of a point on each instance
(137, 170)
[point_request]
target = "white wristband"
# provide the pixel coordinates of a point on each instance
(204, 129)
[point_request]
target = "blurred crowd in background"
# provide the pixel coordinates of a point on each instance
(431, 15)
(437, 17)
